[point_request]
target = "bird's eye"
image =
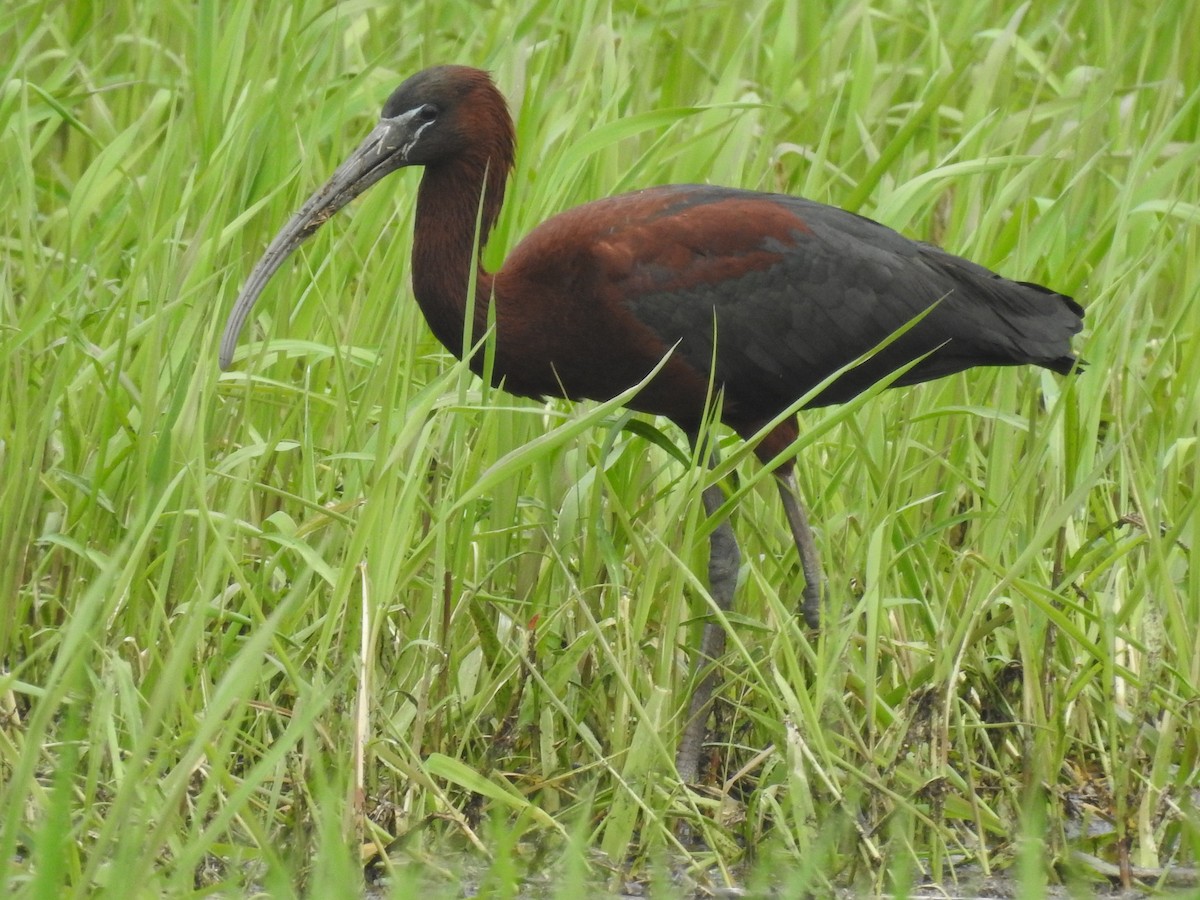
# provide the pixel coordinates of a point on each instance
(427, 113)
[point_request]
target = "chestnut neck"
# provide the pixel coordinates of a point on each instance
(459, 199)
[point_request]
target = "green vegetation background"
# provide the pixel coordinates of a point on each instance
(257, 624)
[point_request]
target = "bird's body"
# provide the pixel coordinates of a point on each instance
(775, 292)
(789, 290)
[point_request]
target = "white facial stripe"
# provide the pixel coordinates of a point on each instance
(416, 136)
(397, 122)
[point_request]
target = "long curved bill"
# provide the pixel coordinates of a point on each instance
(384, 150)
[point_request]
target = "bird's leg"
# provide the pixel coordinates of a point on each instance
(723, 562)
(789, 492)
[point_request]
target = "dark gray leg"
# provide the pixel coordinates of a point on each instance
(723, 562)
(802, 535)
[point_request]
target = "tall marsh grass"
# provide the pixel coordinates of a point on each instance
(346, 601)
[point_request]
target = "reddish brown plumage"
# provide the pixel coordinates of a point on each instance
(595, 297)
(573, 302)
(760, 295)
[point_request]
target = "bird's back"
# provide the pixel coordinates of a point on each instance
(790, 289)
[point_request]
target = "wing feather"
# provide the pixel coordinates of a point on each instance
(796, 290)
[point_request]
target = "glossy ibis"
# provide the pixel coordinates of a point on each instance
(765, 295)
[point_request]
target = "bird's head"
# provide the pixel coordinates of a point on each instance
(443, 113)
(438, 115)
